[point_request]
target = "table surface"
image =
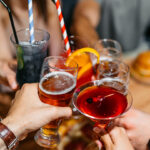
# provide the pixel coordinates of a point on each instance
(141, 100)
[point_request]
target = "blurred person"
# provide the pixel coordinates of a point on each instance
(45, 17)
(137, 125)
(27, 113)
(126, 21)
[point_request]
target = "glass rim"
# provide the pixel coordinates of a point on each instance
(96, 83)
(109, 40)
(126, 66)
(27, 29)
(62, 58)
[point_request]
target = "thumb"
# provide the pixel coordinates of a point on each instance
(11, 77)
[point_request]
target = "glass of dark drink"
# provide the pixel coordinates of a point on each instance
(57, 84)
(30, 56)
(101, 103)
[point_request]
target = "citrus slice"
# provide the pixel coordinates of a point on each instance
(81, 57)
(84, 69)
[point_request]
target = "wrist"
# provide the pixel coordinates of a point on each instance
(14, 126)
(8, 137)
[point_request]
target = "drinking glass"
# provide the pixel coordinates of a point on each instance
(117, 71)
(77, 42)
(30, 56)
(109, 49)
(100, 103)
(57, 83)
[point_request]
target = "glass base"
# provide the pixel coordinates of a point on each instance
(45, 141)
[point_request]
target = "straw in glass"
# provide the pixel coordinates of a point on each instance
(11, 21)
(31, 22)
(63, 28)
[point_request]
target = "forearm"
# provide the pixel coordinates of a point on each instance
(85, 20)
(17, 127)
(5, 52)
(9, 131)
(83, 28)
(54, 29)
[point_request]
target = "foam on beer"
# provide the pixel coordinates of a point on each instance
(63, 89)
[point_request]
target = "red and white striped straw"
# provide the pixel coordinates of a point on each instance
(63, 28)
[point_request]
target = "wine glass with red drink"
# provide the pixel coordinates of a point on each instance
(100, 103)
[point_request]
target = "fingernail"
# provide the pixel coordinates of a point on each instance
(14, 85)
(99, 144)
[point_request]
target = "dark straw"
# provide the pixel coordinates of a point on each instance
(12, 21)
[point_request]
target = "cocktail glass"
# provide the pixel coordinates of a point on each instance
(100, 103)
(30, 56)
(57, 84)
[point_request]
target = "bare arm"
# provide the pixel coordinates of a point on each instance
(27, 116)
(54, 30)
(4, 42)
(85, 20)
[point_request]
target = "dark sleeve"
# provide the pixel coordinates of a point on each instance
(67, 10)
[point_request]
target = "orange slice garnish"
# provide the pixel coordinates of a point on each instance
(84, 69)
(77, 55)
(83, 60)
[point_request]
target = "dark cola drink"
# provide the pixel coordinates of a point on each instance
(29, 68)
(30, 56)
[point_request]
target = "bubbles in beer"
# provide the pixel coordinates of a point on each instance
(56, 83)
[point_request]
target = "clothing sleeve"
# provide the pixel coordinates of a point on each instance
(100, 1)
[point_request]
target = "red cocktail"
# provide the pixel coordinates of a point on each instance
(101, 103)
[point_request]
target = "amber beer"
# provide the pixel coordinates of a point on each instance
(56, 88)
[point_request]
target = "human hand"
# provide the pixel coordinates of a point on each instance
(28, 113)
(137, 125)
(116, 139)
(7, 74)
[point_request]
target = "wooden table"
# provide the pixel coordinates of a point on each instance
(141, 97)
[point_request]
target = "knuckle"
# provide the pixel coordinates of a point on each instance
(116, 131)
(25, 86)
